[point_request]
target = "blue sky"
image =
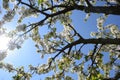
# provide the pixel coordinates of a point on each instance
(27, 54)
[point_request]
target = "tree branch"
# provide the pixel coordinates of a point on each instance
(35, 25)
(93, 41)
(115, 10)
(30, 6)
(88, 3)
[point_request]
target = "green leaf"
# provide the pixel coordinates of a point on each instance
(54, 29)
(40, 1)
(60, 66)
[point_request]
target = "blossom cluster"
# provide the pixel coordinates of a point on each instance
(109, 31)
(26, 12)
(66, 34)
(15, 43)
(6, 4)
(9, 15)
(21, 27)
(8, 67)
(100, 22)
(3, 54)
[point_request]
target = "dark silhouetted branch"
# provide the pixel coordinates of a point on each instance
(93, 41)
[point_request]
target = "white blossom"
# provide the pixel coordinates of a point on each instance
(32, 67)
(92, 34)
(108, 26)
(21, 9)
(12, 45)
(67, 28)
(100, 22)
(1, 23)
(42, 69)
(25, 12)
(9, 15)
(9, 67)
(6, 4)
(21, 27)
(12, 0)
(118, 48)
(114, 29)
(3, 54)
(82, 2)
(93, 1)
(87, 16)
(66, 34)
(1, 65)
(112, 1)
(47, 46)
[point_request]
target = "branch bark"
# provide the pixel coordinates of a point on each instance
(115, 10)
(93, 41)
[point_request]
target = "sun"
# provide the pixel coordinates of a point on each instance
(4, 40)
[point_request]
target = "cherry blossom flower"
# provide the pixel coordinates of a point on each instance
(21, 27)
(3, 54)
(9, 67)
(12, 45)
(100, 22)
